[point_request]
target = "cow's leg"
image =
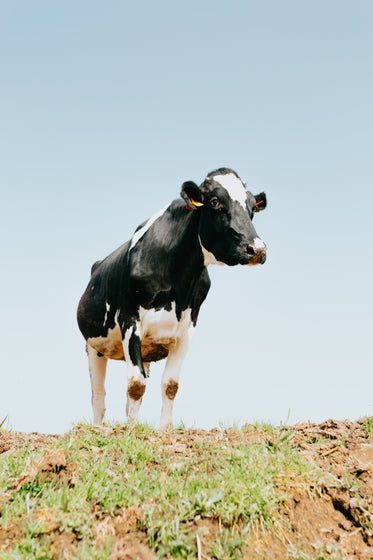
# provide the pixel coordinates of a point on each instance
(136, 371)
(97, 371)
(170, 379)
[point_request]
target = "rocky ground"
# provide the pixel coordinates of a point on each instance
(329, 519)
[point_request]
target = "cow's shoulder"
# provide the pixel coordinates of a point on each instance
(156, 241)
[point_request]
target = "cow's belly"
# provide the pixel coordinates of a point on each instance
(160, 331)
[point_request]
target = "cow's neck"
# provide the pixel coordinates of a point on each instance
(185, 253)
(168, 261)
(186, 261)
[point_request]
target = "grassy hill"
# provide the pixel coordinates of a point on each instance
(132, 492)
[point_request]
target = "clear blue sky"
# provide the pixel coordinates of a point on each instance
(106, 108)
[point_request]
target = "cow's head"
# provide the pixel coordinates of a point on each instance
(226, 208)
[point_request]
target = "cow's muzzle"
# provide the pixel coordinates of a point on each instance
(256, 251)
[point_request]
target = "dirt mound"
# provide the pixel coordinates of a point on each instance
(325, 514)
(13, 441)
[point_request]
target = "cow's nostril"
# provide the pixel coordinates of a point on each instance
(250, 250)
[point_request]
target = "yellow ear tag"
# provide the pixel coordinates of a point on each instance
(196, 203)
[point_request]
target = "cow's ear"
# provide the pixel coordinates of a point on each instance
(260, 202)
(192, 195)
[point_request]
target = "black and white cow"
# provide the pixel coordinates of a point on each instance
(142, 301)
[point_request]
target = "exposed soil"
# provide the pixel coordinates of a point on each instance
(335, 521)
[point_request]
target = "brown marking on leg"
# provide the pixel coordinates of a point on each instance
(136, 389)
(171, 389)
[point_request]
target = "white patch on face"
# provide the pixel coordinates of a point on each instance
(258, 244)
(148, 225)
(208, 257)
(234, 186)
(259, 247)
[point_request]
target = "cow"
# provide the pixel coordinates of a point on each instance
(142, 301)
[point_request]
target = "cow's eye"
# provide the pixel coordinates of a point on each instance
(215, 202)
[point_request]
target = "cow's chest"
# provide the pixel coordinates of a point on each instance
(159, 330)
